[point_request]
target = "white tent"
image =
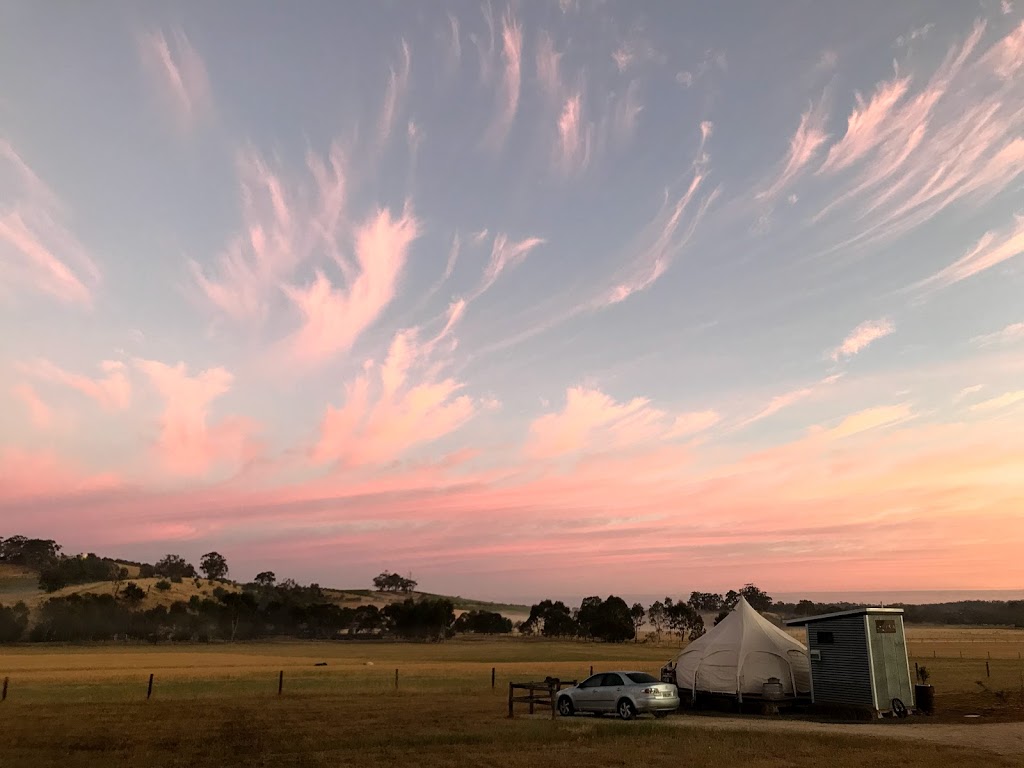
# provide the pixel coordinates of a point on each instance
(740, 655)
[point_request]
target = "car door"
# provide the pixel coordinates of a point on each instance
(609, 691)
(587, 692)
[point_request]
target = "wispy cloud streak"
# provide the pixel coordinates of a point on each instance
(180, 71)
(113, 391)
(332, 319)
(38, 253)
(508, 93)
(990, 251)
(861, 337)
(809, 138)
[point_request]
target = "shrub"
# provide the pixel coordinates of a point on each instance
(176, 579)
(163, 585)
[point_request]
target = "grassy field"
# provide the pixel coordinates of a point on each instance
(217, 705)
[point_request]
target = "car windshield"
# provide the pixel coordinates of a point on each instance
(642, 677)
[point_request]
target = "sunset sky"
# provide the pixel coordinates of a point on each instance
(544, 298)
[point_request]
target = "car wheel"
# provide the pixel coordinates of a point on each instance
(565, 707)
(626, 709)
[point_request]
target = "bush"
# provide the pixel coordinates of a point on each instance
(176, 579)
(163, 585)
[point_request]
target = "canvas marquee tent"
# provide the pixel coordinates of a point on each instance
(740, 655)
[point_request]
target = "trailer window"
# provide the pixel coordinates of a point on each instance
(885, 626)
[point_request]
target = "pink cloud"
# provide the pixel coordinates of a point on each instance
(861, 337)
(548, 66)
(787, 399)
(692, 423)
(574, 137)
(112, 391)
(659, 244)
(1000, 402)
(593, 422)
(786, 517)
(990, 251)
(956, 140)
(334, 318)
(508, 93)
(455, 41)
(42, 475)
(180, 72)
(486, 49)
(1011, 334)
(38, 253)
(39, 412)
(188, 444)
(505, 254)
(870, 419)
(1006, 58)
(633, 51)
(398, 84)
(869, 125)
(810, 136)
(387, 413)
(284, 225)
(627, 111)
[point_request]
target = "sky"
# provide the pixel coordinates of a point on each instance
(542, 298)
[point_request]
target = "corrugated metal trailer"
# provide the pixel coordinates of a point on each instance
(859, 659)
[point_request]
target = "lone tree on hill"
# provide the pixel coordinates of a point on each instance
(265, 579)
(173, 566)
(133, 593)
(214, 566)
(392, 582)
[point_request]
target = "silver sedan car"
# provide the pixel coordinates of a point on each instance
(627, 694)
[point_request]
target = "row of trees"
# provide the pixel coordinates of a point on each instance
(228, 616)
(612, 620)
(57, 570)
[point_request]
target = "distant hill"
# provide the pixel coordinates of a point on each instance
(18, 583)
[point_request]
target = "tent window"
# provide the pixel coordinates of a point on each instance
(826, 638)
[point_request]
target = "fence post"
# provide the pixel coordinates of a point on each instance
(396, 679)
(591, 669)
(280, 682)
(3, 693)
(149, 690)
(492, 678)
(533, 695)
(553, 688)
(988, 672)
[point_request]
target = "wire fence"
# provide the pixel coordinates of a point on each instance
(1000, 666)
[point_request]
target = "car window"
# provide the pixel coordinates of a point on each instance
(642, 677)
(592, 682)
(611, 679)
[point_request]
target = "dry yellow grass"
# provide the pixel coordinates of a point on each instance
(216, 705)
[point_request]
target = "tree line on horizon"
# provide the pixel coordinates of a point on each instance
(268, 608)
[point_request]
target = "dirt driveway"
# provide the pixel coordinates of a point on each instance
(1001, 738)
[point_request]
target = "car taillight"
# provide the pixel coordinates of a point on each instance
(650, 690)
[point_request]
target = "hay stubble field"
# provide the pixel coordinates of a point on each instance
(217, 705)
